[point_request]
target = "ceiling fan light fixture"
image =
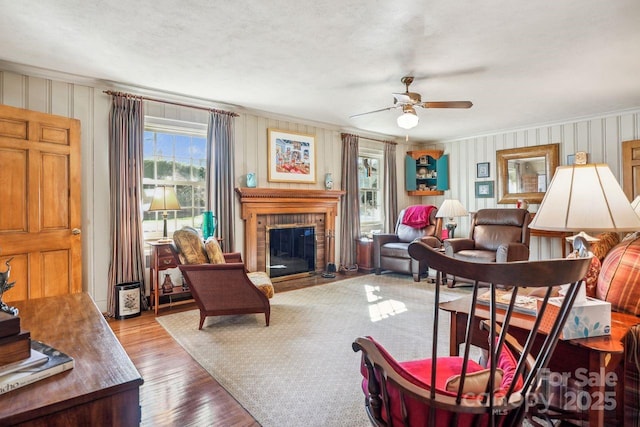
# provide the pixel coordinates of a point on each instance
(409, 119)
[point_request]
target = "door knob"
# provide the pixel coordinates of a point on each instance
(76, 231)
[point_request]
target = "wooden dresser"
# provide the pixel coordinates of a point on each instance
(103, 387)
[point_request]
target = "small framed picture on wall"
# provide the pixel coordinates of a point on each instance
(482, 170)
(484, 189)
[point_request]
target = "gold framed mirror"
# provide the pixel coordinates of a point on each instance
(525, 173)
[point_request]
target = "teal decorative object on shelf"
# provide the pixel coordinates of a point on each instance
(251, 180)
(328, 181)
(208, 224)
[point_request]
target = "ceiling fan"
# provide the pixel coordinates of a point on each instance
(408, 100)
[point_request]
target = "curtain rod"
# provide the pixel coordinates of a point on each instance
(164, 101)
(371, 139)
(379, 140)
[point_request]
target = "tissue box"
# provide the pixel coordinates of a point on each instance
(588, 318)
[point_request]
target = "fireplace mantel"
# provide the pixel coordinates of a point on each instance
(248, 194)
(259, 204)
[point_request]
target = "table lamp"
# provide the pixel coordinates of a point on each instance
(164, 199)
(451, 208)
(585, 197)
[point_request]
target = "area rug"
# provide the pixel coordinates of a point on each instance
(301, 370)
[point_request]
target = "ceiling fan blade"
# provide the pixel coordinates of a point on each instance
(374, 111)
(447, 104)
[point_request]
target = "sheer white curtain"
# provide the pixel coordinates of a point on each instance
(350, 209)
(126, 129)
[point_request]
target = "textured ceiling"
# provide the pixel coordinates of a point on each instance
(521, 63)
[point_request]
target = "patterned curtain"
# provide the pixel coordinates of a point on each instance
(390, 186)
(220, 183)
(126, 128)
(350, 209)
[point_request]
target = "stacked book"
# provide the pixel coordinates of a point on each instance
(24, 361)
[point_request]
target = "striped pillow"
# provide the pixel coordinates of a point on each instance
(619, 279)
(214, 251)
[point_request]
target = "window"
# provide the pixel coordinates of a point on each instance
(369, 183)
(174, 154)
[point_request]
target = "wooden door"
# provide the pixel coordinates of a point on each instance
(40, 213)
(631, 168)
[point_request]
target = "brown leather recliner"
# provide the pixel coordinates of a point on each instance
(391, 250)
(496, 235)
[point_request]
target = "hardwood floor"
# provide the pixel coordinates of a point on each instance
(176, 389)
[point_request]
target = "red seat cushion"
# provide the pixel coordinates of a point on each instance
(418, 372)
(447, 367)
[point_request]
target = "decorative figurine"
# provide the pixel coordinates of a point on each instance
(167, 286)
(328, 181)
(5, 286)
(251, 180)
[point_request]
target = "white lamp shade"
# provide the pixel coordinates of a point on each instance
(408, 120)
(585, 198)
(451, 208)
(164, 199)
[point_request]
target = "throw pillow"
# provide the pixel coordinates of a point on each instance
(190, 246)
(508, 363)
(605, 243)
(619, 279)
(591, 279)
(475, 382)
(214, 251)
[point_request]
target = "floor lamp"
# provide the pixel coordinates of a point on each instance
(164, 199)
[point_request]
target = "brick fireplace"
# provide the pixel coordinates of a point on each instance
(268, 207)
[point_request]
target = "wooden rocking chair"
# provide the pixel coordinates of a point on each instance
(457, 390)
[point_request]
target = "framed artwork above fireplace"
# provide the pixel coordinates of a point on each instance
(291, 157)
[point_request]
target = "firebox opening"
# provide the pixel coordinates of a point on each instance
(291, 249)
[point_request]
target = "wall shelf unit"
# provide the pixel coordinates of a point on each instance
(426, 172)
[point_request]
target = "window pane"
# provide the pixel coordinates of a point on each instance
(182, 169)
(369, 178)
(199, 169)
(164, 169)
(164, 145)
(179, 160)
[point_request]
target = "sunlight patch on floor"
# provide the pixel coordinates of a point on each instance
(380, 308)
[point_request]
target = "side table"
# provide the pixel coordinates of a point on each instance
(364, 254)
(163, 256)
